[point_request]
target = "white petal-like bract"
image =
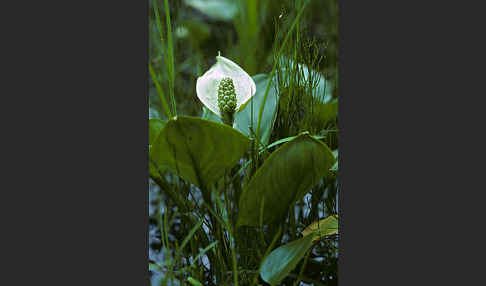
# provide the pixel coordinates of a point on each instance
(207, 84)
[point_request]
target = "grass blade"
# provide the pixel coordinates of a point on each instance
(188, 237)
(170, 58)
(159, 26)
(160, 92)
(209, 247)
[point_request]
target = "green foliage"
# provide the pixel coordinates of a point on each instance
(246, 120)
(323, 227)
(155, 127)
(324, 113)
(199, 151)
(228, 205)
(283, 259)
(287, 174)
(194, 282)
(160, 92)
(274, 69)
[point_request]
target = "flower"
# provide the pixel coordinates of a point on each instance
(230, 82)
(226, 96)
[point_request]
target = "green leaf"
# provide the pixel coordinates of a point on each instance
(155, 171)
(155, 127)
(223, 10)
(209, 247)
(194, 282)
(278, 142)
(198, 150)
(188, 237)
(154, 267)
(323, 227)
(324, 112)
(286, 176)
(243, 118)
(282, 260)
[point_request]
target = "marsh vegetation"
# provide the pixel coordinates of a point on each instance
(251, 198)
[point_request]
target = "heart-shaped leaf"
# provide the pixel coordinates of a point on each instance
(285, 177)
(198, 150)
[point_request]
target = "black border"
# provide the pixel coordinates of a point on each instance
(406, 184)
(80, 78)
(342, 154)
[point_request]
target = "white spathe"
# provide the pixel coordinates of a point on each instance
(207, 84)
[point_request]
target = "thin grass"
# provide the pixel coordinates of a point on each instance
(158, 24)
(160, 92)
(170, 58)
(189, 236)
(272, 74)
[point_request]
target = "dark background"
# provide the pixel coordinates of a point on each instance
(76, 78)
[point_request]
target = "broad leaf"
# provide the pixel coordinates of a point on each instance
(287, 139)
(198, 150)
(286, 176)
(155, 127)
(243, 118)
(282, 260)
(322, 113)
(321, 228)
